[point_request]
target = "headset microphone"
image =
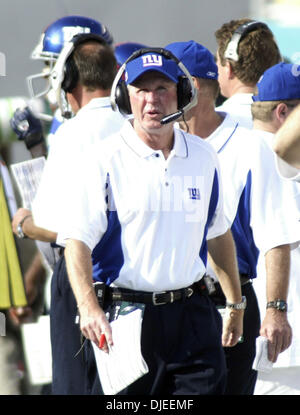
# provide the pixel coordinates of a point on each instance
(171, 117)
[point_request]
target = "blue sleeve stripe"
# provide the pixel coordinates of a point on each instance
(247, 252)
(214, 197)
(107, 256)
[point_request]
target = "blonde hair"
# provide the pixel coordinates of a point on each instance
(263, 110)
(209, 87)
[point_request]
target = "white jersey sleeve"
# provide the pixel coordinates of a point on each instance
(274, 216)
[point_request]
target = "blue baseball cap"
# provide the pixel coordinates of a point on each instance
(279, 83)
(198, 60)
(151, 62)
(124, 50)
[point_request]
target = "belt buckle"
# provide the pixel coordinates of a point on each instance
(189, 292)
(155, 302)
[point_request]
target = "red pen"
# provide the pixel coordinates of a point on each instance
(102, 341)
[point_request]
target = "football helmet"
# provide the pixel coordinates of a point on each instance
(51, 43)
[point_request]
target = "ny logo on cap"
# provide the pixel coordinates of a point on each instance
(152, 60)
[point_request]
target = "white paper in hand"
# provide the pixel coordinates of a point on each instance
(261, 361)
(124, 363)
(37, 349)
(27, 175)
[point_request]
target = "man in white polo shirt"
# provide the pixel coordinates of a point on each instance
(255, 208)
(156, 211)
(83, 76)
(275, 100)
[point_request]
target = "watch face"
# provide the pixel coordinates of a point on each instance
(281, 305)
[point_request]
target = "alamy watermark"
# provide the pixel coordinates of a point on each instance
(2, 324)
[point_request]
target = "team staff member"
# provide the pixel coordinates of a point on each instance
(47, 51)
(277, 95)
(252, 200)
(93, 70)
(241, 60)
(157, 250)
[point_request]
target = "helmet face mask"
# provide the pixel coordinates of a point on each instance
(51, 43)
(39, 84)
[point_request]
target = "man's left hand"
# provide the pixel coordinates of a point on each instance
(232, 327)
(277, 330)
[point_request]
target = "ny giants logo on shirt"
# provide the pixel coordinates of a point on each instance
(194, 193)
(152, 60)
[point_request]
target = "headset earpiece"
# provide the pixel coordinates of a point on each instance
(122, 98)
(184, 92)
(71, 75)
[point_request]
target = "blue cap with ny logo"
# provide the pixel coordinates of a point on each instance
(281, 82)
(151, 62)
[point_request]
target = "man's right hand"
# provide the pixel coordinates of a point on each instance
(93, 323)
(27, 127)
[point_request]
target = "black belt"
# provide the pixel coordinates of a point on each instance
(155, 298)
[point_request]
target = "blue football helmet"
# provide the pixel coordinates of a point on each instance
(51, 43)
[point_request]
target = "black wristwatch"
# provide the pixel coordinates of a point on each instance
(278, 304)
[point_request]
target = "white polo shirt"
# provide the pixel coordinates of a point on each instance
(260, 210)
(291, 356)
(151, 215)
(92, 123)
(239, 107)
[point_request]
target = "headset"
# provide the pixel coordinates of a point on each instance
(231, 51)
(186, 91)
(64, 76)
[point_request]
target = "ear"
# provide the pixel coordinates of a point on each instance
(229, 70)
(281, 112)
(196, 82)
